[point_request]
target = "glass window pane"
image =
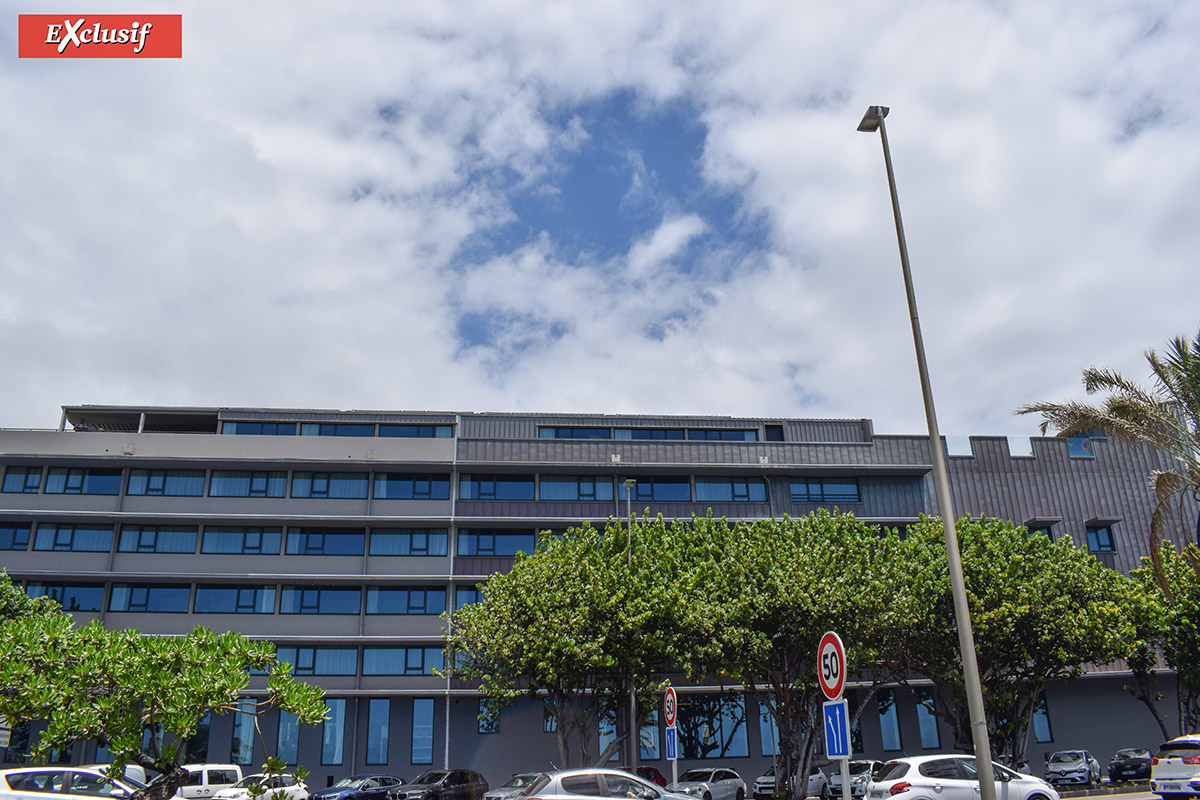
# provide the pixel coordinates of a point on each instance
(422, 731)
(378, 724)
(333, 731)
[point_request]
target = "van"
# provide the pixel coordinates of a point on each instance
(134, 772)
(205, 780)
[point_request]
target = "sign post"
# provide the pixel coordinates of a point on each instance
(670, 712)
(831, 674)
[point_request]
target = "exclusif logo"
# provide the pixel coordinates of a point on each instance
(100, 36)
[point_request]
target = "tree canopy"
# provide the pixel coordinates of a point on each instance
(113, 686)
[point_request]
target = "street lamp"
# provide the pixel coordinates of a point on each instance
(635, 734)
(873, 121)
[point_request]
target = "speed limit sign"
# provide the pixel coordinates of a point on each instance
(831, 665)
(670, 706)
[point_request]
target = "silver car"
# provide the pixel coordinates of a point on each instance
(576, 784)
(1073, 767)
(710, 783)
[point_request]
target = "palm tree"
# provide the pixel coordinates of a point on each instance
(1166, 417)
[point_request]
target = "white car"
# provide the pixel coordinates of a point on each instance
(710, 783)
(1175, 768)
(292, 789)
(47, 783)
(764, 785)
(951, 777)
(860, 776)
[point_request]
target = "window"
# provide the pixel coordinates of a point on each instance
(825, 490)
(554, 432)
(14, 535)
(768, 733)
(494, 543)
(337, 485)
(1041, 721)
(333, 731)
(64, 480)
(22, 480)
(155, 599)
(320, 660)
(234, 600)
(325, 541)
(648, 742)
(79, 538)
(417, 431)
(247, 541)
(260, 428)
(576, 487)
(242, 483)
(549, 721)
(662, 490)
(657, 434)
(496, 487)
(402, 660)
(242, 745)
(889, 722)
(1100, 540)
(489, 715)
(712, 726)
(415, 600)
(422, 730)
(166, 482)
(408, 542)
(77, 597)
(379, 711)
(722, 435)
(731, 490)
(466, 595)
(319, 600)
(927, 720)
(288, 737)
(401, 486)
(773, 433)
(157, 539)
(337, 429)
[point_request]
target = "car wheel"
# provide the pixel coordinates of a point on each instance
(707, 796)
(741, 794)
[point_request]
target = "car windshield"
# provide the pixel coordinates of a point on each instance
(521, 781)
(1132, 753)
(352, 782)
(430, 776)
(1178, 749)
(856, 768)
(1066, 756)
(248, 781)
(696, 775)
(770, 773)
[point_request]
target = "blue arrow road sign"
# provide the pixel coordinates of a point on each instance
(837, 729)
(671, 746)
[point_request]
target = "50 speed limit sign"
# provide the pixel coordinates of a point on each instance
(831, 665)
(670, 707)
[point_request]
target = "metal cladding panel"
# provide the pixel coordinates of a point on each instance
(497, 427)
(406, 626)
(437, 568)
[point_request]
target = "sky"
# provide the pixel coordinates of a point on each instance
(620, 207)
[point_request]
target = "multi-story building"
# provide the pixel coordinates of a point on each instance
(345, 536)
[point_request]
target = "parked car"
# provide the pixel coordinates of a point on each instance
(1175, 768)
(513, 787)
(648, 773)
(287, 783)
(951, 777)
(710, 783)
(860, 776)
(579, 784)
(1073, 767)
(47, 783)
(205, 780)
(360, 787)
(133, 772)
(443, 784)
(764, 785)
(1129, 764)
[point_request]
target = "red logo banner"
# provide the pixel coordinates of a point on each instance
(100, 36)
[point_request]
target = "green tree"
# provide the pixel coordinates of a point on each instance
(1040, 611)
(571, 623)
(112, 686)
(1166, 416)
(1178, 632)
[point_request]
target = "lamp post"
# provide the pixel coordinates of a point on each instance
(873, 121)
(635, 734)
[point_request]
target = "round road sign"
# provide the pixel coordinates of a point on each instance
(831, 665)
(670, 705)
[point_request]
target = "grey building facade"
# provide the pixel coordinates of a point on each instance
(344, 536)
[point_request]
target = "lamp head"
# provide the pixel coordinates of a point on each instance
(630, 483)
(871, 119)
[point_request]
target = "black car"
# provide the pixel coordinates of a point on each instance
(442, 784)
(1130, 764)
(360, 787)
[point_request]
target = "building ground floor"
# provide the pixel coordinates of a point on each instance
(406, 733)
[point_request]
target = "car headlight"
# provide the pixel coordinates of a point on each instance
(696, 790)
